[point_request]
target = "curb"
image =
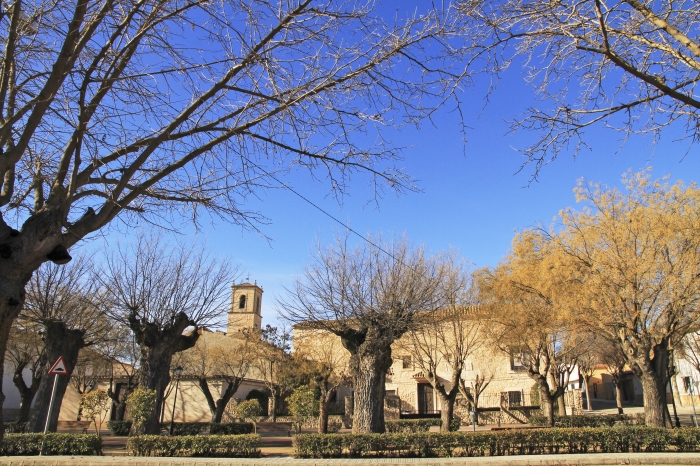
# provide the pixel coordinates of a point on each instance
(530, 460)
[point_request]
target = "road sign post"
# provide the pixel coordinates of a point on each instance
(58, 368)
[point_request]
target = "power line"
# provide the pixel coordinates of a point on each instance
(347, 227)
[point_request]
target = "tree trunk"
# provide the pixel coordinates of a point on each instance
(655, 408)
(273, 405)
(618, 397)
(11, 300)
(447, 409)
(218, 407)
(120, 411)
(26, 393)
(546, 402)
(158, 344)
(368, 367)
(323, 408)
(588, 394)
(562, 405)
(59, 341)
(155, 375)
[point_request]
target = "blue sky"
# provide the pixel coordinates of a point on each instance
(473, 196)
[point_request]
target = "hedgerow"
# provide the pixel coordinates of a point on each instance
(231, 428)
(419, 425)
(594, 420)
(499, 443)
(226, 446)
(54, 444)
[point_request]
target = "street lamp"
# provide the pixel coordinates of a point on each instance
(178, 373)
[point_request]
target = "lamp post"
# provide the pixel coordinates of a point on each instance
(178, 373)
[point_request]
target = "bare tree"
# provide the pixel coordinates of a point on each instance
(165, 294)
(369, 297)
(446, 339)
(478, 386)
(629, 65)
(221, 358)
(123, 353)
(330, 367)
(157, 110)
(65, 302)
(26, 351)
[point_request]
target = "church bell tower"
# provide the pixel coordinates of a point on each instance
(246, 299)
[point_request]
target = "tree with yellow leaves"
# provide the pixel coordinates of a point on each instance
(528, 318)
(636, 257)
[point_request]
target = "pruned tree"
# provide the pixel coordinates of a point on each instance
(26, 351)
(446, 338)
(526, 303)
(165, 293)
(369, 296)
(636, 254)
(471, 392)
(123, 353)
(156, 110)
(65, 302)
(218, 358)
(629, 65)
(329, 360)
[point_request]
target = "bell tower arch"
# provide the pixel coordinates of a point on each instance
(246, 301)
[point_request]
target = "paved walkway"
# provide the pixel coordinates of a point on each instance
(541, 460)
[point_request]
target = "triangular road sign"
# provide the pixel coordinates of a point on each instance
(59, 367)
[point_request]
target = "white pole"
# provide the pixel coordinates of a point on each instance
(48, 416)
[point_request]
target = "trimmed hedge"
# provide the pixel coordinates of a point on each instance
(186, 428)
(120, 428)
(231, 428)
(498, 443)
(419, 425)
(199, 428)
(54, 444)
(593, 420)
(225, 446)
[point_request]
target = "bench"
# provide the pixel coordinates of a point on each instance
(74, 425)
(266, 427)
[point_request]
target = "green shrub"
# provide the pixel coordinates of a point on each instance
(593, 420)
(249, 409)
(231, 428)
(186, 428)
(419, 425)
(120, 428)
(15, 427)
(224, 446)
(141, 404)
(303, 405)
(54, 444)
(496, 443)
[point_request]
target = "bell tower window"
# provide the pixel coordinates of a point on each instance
(241, 302)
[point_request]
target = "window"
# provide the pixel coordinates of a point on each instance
(257, 304)
(688, 385)
(241, 302)
(518, 361)
(407, 363)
